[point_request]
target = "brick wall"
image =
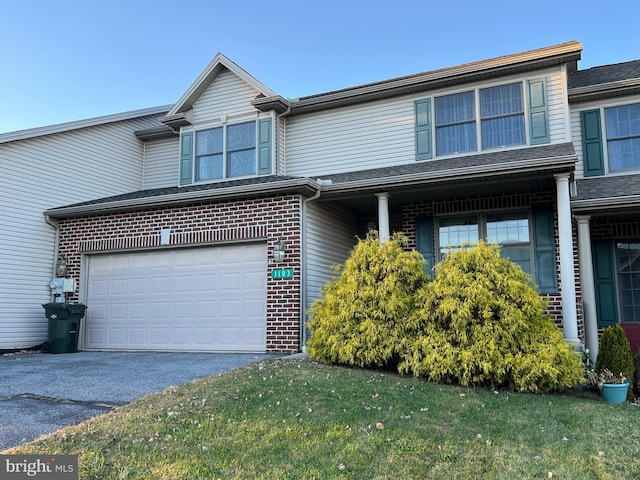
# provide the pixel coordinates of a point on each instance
(267, 219)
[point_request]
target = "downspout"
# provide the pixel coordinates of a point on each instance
(56, 245)
(303, 263)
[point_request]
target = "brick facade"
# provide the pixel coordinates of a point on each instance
(267, 219)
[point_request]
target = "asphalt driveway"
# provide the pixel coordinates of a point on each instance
(41, 393)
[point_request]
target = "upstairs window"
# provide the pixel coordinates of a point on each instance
(226, 152)
(502, 116)
(229, 151)
(623, 137)
(494, 115)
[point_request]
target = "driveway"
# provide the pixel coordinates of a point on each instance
(41, 393)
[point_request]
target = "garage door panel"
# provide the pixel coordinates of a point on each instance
(205, 299)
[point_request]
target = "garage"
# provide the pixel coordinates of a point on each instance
(190, 299)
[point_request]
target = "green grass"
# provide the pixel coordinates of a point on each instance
(295, 418)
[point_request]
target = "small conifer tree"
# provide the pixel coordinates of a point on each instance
(482, 322)
(615, 354)
(360, 317)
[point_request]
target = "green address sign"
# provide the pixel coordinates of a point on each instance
(282, 273)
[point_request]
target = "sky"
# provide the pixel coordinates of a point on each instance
(69, 60)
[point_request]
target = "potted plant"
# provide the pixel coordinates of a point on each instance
(614, 365)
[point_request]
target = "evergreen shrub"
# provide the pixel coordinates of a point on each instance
(614, 353)
(360, 317)
(481, 321)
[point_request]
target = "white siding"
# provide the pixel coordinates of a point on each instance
(381, 134)
(161, 163)
(330, 237)
(42, 173)
(576, 130)
(227, 95)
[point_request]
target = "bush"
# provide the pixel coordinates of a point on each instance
(359, 318)
(614, 353)
(482, 322)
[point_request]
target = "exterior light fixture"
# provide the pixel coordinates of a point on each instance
(279, 251)
(61, 267)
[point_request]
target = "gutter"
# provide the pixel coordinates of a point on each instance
(627, 201)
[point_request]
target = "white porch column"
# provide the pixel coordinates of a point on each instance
(567, 273)
(383, 216)
(587, 285)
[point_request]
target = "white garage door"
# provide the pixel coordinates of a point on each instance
(192, 299)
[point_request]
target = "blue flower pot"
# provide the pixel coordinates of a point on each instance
(615, 392)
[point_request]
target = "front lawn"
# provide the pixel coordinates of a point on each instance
(295, 418)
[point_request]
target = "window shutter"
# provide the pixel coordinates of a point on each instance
(424, 241)
(423, 129)
(545, 251)
(592, 156)
(538, 112)
(604, 275)
(186, 158)
(264, 146)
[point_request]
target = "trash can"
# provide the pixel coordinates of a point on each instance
(64, 325)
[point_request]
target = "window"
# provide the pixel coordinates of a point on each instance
(623, 137)
(509, 230)
(502, 116)
(228, 151)
(628, 258)
(495, 115)
(455, 123)
(239, 144)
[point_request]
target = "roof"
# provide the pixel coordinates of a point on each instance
(568, 52)
(615, 192)
(605, 81)
(75, 125)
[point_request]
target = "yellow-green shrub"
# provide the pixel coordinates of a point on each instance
(360, 317)
(482, 322)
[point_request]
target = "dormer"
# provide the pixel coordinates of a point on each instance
(222, 134)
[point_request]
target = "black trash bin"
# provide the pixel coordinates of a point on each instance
(64, 325)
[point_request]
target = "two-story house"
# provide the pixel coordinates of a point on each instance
(247, 198)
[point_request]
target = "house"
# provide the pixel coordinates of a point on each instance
(220, 216)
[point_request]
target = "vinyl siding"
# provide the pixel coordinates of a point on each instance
(330, 237)
(45, 172)
(382, 133)
(227, 95)
(576, 132)
(161, 163)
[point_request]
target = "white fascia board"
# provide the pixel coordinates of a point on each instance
(627, 201)
(75, 125)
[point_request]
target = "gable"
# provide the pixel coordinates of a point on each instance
(227, 95)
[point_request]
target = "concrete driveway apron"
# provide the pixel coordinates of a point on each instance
(41, 393)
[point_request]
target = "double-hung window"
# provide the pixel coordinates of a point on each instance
(502, 116)
(623, 137)
(227, 151)
(224, 152)
(455, 123)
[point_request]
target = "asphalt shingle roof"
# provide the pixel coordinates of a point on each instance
(607, 187)
(604, 74)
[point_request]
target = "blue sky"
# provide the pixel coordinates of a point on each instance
(69, 60)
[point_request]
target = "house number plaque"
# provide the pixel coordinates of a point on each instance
(282, 273)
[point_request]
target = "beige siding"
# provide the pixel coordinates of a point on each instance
(576, 130)
(381, 134)
(227, 95)
(556, 93)
(161, 163)
(330, 237)
(45, 172)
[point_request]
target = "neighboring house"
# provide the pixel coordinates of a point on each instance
(185, 256)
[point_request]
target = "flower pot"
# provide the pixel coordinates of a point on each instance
(615, 392)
